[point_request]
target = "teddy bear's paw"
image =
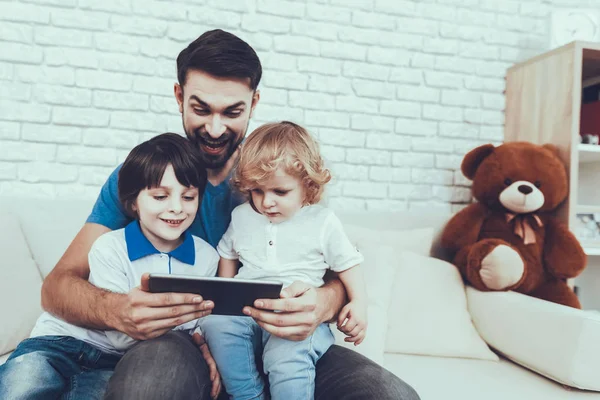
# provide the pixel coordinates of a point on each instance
(502, 268)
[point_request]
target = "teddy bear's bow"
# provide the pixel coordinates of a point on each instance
(523, 225)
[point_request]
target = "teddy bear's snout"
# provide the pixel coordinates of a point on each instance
(522, 197)
(525, 189)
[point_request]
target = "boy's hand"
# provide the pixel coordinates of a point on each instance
(143, 315)
(352, 321)
(212, 365)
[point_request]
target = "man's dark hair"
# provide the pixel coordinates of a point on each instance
(145, 166)
(221, 54)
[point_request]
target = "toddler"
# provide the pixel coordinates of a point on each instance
(282, 235)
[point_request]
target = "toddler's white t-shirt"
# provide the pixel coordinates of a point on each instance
(299, 249)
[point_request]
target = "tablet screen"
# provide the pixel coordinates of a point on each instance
(230, 295)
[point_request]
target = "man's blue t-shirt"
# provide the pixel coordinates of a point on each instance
(212, 220)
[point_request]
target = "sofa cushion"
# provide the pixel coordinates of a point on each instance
(428, 311)
(4, 357)
(381, 250)
(559, 342)
(49, 226)
(418, 240)
(378, 269)
(436, 378)
(20, 285)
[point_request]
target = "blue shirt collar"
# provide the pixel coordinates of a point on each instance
(139, 246)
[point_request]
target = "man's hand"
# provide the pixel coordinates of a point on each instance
(212, 365)
(301, 309)
(352, 321)
(143, 315)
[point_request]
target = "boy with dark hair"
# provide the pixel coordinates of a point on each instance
(160, 185)
(217, 92)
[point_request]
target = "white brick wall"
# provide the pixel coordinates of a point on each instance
(396, 90)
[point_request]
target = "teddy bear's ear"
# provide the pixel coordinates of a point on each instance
(553, 148)
(473, 158)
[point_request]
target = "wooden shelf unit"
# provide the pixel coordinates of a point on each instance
(589, 153)
(592, 249)
(543, 105)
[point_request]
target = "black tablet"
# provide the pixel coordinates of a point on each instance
(230, 295)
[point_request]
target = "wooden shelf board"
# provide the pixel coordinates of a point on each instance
(588, 209)
(589, 153)
(588, 45)
(592, 250)
(591, 247)
(591, 61)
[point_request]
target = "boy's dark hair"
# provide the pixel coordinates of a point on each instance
(145, 166)
(222, 54)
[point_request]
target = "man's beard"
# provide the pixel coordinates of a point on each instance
(229, 139)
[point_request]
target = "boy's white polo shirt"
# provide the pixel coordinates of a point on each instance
(299, 249)
(118, 259)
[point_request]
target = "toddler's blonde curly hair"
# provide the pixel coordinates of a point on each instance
(283, 145)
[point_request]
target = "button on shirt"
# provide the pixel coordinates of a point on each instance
(301, 248)
(118, 259)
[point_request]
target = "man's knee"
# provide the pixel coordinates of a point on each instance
(343, 373)
(30, 375)
(382, 384)
(170, 366)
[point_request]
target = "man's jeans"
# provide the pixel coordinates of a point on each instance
(51, 367)
(172, 367)
(237, 342)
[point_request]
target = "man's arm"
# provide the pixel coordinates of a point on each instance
(141, 315)
(331, 297)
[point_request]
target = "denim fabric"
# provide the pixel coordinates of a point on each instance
(47, 367)
(168, 367)
(171, 367)
(290, 365)
(344, 374)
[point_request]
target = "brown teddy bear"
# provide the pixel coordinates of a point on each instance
(509, 240)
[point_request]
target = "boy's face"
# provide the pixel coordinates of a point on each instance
(166, 211)
(280, 197)
(215, 112)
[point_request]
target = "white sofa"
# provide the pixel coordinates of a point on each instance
(549, 338)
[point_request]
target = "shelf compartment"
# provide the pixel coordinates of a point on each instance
(592, 250)
(589, 153)
(591, 247)
(588, 209)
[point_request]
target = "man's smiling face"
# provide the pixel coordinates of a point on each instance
(215, 113)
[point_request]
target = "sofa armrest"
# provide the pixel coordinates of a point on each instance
(556, 341)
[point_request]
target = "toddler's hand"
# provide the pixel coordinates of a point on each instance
(352, 321)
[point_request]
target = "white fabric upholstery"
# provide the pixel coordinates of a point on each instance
(378, 271)
(428, 312)
(20, 285)
(559, 342)
(416, 240)
(49, 226)
(381, 249)
(437, 378)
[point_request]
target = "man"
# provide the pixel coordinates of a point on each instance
(218, 75)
